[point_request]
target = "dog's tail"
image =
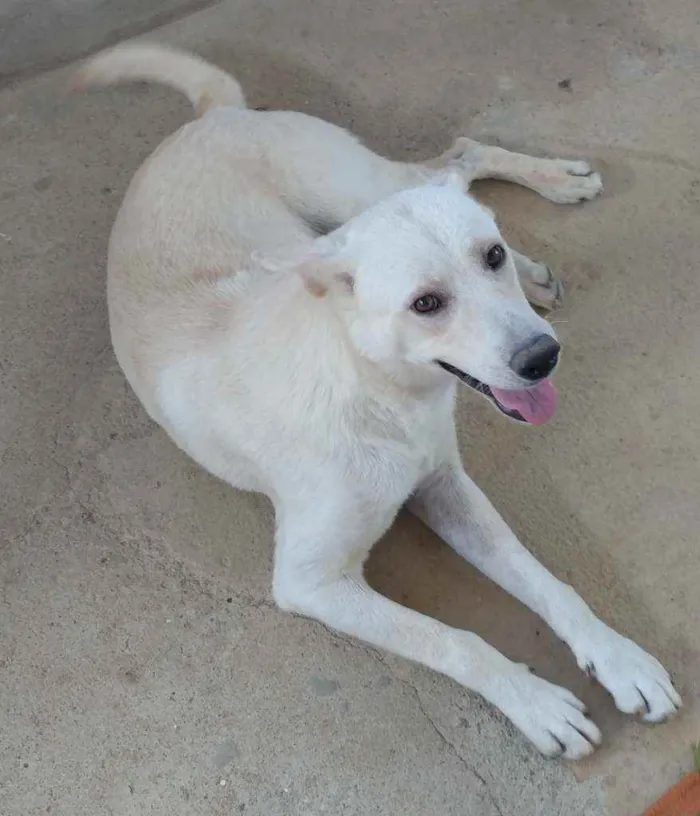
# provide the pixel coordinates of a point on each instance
(203, 84)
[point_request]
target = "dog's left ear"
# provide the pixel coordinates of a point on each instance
(324, 267)
(450, 177)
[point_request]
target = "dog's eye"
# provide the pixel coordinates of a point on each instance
(495, 256)
(427, 304)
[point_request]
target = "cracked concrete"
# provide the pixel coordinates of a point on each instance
(143, 666)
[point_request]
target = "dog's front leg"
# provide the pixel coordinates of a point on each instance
(454, 507)
(318, 573)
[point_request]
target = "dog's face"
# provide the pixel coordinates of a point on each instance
(431, 290)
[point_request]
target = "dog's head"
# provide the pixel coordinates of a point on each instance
(429, 289)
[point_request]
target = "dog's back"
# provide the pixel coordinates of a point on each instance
(182, 246)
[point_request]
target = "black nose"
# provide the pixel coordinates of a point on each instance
(537, 359)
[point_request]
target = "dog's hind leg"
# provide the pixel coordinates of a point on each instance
(539, 284)
(559, 180)
(342, 177)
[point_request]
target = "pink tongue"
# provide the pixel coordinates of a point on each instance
(537, 405)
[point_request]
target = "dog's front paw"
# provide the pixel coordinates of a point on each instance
(549, 716)
(637, 681)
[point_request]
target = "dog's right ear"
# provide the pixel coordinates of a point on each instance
(324, 266)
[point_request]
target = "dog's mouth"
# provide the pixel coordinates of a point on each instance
(534, 406)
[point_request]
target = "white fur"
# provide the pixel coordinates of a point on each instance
(291, 364)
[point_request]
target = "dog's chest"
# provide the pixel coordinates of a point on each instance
(388, 456)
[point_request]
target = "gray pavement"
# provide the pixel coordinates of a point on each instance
(143, 667)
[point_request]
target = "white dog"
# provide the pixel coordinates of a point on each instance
(296, 312)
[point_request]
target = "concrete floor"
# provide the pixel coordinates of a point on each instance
(143, 668)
